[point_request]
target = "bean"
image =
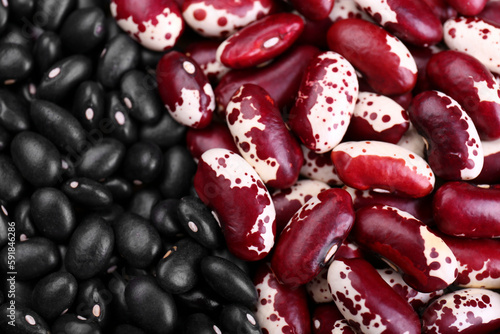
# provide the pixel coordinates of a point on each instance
(101, 160)
(89, 104)
(121, 125)
(25, 228)
(71, 323)
(87, 192)
(13, 186)
(200, 323)
(238, 317)
(178, 171)
(4, 227)
(165, 219)
(143, 201)
(165, 133)
(92, 301)
(200, 299)
(47, 51)
(319, 167)
(203, 53)
(21, 8)
(127, 329)
(314, 10)
(4, 16)
(489, 174)
(324, 318)
(16, 65)
(143, 162)
(5, 139)
(120, 189)
(51, 13)
(54, 294)
(468, 7)
(14, 113)
(24, 319)
(216, 135)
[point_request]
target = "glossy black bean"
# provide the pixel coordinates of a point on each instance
(36, 158)
(178, 171)
(12, 186)
(87, 192)
(119, 309)
(50, 14)
(228, 280)
(112, 28)
(60, 80)
(124, 127)
(200, 323)
(4, 227)
(17, 319)
(16, 64)
(143, 201)
(52, 214)
(150, 308)
(14, 112)
(47, 51)
(35, 258)
(238, 319)
(89, 248)
(127, 329)
(143, 162)
(93, 301)
(121, 189)
(4, 15)
(140, 97)
(179, 271)
(72, 324)
(226, 254)
(137, 240)
(24, 225)
(101, 160)
(54, 294)
(120, 55)
(150, 58)
(164, 217)
(110, 213)
(165, 133)
(199, 222)
(89, 104)
(17, 35)
(21, 9)
(27, 90)
(5, 139)
(83, 30)
(199, 299)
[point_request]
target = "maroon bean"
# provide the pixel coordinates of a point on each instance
(314, 32)
(347, 9)
(260, 41)
(441, 9)
(324, 318)
(422, 56)
(463, 210)
(380, 57)
(491, 13)
(319, 167)
(313, 9)
(468, 7)
(312, 237)
(215, 135)
(262, 137)
(203, 53)
(490, 173)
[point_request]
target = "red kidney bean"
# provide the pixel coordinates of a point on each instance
(13, 185)
(325, 102)
(254, 122)
(324, 220)
(290, 200)
(222, 18)
(491, 13)
(377, 117)
(383, 60)
(314, 32)
(223, 181)
(463, 311)
(490, 173)
(280, 309)
(464, 210)
(156, 25)
(185, 90)
(215, 135)
(17, 63)
(260, 41)
(367, 302)
(319, 167)
(466, 80)
(314, 10)
(14, 113)
(454, 150)
(475, 37)
(383, 166)
(416, 299)
(425, 260)
(203, 53)
(411, 21)
(25, 320)
(178, 171)
(143, 162)
(467, 7)
(422, 56)
(280, 79)
(441, 9)
(343, 327)
(324, 318)
(54, 294)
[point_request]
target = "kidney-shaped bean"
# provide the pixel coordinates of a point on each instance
(468, 7)
(383, 60)
(224, 181)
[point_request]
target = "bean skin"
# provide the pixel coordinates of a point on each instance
(54, 294)
(87, 192)
(165, 219)
(93, 301)
(165, 133)
(24, 224)
(234, 316)
(50, 14)
(200, 299)
(143, 162)
(143, 201)
(89, 104)
(199, 323)
(178, 171)
(122, 126)
(101, 160)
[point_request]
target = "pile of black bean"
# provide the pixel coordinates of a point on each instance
(100, 230)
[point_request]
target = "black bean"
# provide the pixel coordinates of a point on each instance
(54, 294)
(117, 285)
(89, 104)
(140, 96)
(89, 248)
(2, 298)
(199, 222)
(87, 192)
(4, 226)
(143, 162)
(150, 308)
(72, 324)
(101, 160)
(143, 202)
(112, 28)
(21, 320)
(121, 189)
(150, 58)
(200, 299)
(27, 90)
(24, 225)
(120, 55)
(36, 158)
(68, 168)
(178, 171)
(35, 258)
(21, 10)
(110, 213)
(24, 292)
(165, 133)
(226, 254)
(123, 126)
(15, 35)
(93, 301)
(164, 217)
(179, 271)
(50, 14)
(12, 186)
(14, 112)
(52, 214)
(16, 64)
(5, 139)
(4, 15)
(137, 241)
(127, 329)
(228, 280)
(83, 30)
(200, 323)
(47, 51)
(238, 319)
(91, 3)
(60, 81)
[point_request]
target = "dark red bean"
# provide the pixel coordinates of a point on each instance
(235, 317)
(16, 65)
(87, 192)
(143, 201)
(319, 167)
(93, 301)
(13, 185)
(25, 320)
(71, 323)
(315, 9)
(89, 105)
(200, 323)
(47, 51)
(469, 8)
(178, 171)
(441, 9)
(165, 133)
(491, 13)
(324, 318)
(83, 30)
(89, 248)
(54, 294)
(165, 219)
(101, 160)
(216, 135)
(203, 53)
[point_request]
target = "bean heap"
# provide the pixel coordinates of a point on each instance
(251, 166)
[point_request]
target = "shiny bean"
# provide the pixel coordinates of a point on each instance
(178, 171)
(143, 201)
(89, 104)
(25, 228)
(87, 192)
(234, 317)
(166, 132)
(490, 174)
(83, 30)
(50, 14)
(25, 320)
(143, 162)
(16, 64)
(47, 51)
(200, 323)
(54, 294)
(203, 53)
(93, 301)
(13, 185)
(121, 189)
(216, 135)
(165, 219)
(4, 15)
(319, 167)
(14, 113)
(200, 299)
(324, 318)
(468, 7)
(101, 160)
(122, 126)
(4, 227)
